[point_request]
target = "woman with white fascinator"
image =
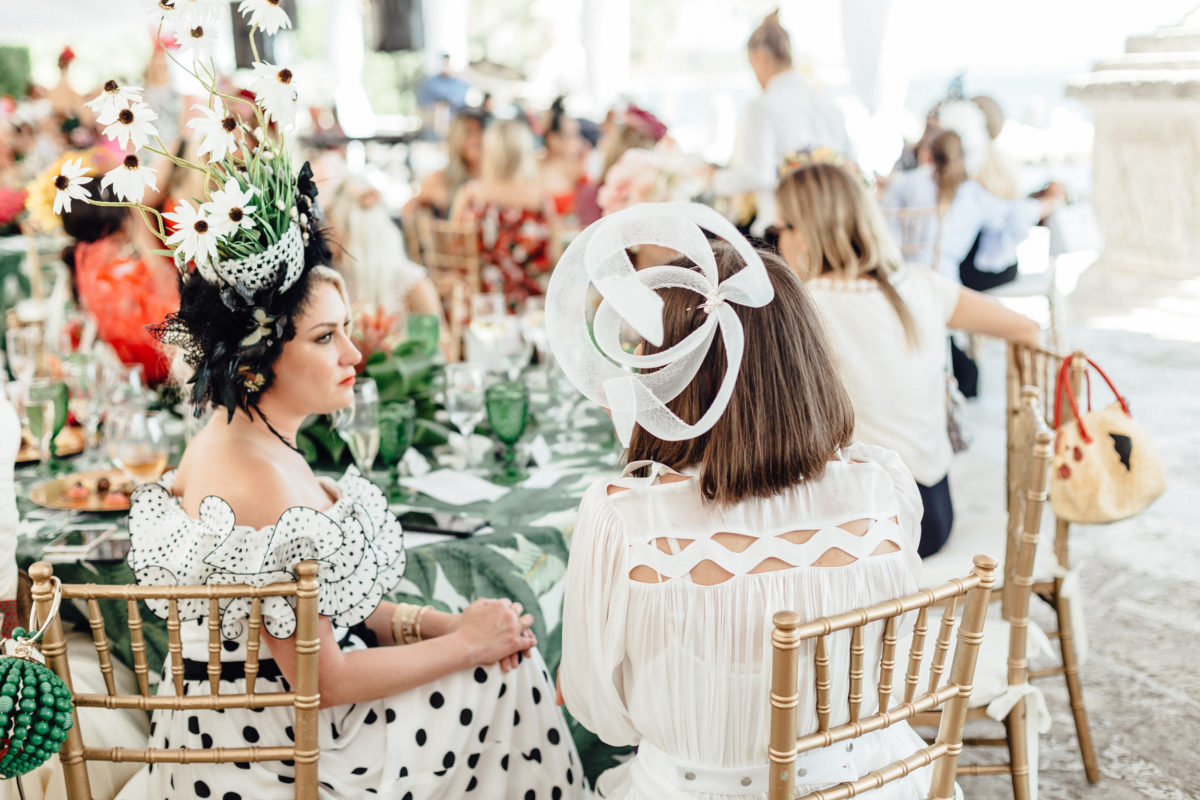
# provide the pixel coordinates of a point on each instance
(743, 496)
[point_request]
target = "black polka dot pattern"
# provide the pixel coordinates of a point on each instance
(481, 732)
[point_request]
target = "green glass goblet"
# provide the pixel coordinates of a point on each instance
(425, 330)
(397, 424)
(508, 412)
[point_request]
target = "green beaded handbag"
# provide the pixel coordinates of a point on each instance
(36, 710)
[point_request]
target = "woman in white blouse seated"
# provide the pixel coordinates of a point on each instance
(677, 566)
(887, 323)
(979, 231)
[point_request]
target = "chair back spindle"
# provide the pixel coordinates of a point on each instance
(952, 695)
(304, 698)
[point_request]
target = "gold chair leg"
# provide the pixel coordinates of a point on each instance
(1066, 642)
(1017, 728)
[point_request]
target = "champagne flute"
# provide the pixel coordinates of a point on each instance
(464, 402)
(135, 443)
(358, 424)
(40, 412)
(508, 412)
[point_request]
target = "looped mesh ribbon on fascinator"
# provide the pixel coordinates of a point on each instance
(621, 381)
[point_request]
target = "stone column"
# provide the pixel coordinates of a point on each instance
(1146, 153)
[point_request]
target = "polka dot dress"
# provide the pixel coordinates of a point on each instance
(475, 733)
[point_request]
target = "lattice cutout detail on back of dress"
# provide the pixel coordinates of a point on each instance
(671, 558)
(733, 553)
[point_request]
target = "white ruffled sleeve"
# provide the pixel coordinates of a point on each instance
(594, 621)
(357, 544)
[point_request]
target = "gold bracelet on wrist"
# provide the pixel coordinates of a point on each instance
(406, 623)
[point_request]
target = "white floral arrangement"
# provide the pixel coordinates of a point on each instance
(250, 192)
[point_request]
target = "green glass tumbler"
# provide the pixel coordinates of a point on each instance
(397, 425)
(425, 330)
(507, 406)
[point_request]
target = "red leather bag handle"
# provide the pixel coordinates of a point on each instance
(1063, 384)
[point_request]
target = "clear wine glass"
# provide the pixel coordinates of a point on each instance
(464, 385)
(135, 442)
(358, 424)
(84, 375)
(23, 346)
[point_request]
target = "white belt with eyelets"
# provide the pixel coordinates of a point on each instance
(823, 767)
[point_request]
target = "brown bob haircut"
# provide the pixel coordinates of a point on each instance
(789, 412)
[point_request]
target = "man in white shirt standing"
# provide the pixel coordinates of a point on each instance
(791, 114)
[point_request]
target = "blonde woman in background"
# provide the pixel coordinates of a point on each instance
(887, 324)
(512, 213)
(464, 150)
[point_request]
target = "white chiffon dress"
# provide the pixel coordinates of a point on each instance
(474, 733)
(683, 670)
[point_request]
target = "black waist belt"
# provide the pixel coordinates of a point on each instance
(230, 670)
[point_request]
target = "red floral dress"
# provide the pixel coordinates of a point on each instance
(514, 248)
(125, 295)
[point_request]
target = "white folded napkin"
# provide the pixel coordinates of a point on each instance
(454, 487)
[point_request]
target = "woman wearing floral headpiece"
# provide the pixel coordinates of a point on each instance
(414, 702)
(743, 496)
(887, 323)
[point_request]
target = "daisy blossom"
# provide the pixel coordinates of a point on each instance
(115, 97)
(68, 185)
(133, 124)
(273, 89)
(229, 209)
(130, 179)
(195, 238)
(198, 41)
(217, 132)
(265, 14)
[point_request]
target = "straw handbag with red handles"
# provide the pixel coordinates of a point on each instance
(1105, 467)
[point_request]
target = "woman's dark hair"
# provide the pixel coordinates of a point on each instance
(232, 340)
(555, 116)
(85, 222)
(789, 412)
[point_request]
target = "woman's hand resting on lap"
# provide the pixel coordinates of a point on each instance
(496, 631)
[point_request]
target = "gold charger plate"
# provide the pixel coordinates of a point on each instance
(54, 492)
(69, 442)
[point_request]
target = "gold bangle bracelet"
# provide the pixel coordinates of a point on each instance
(406, 623)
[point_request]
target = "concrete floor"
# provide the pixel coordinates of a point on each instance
(1140, 577)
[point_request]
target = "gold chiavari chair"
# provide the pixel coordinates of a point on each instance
(450, 251)
(1035, 371)
(305, 698)
(953, 694)
(917, 230)
(1011, 674)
